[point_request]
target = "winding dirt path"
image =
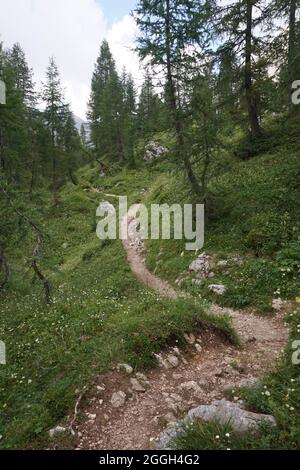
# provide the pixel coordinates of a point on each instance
(134, 248)
(199, 373)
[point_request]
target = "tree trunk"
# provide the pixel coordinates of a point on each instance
(255, 130)
(171, 92)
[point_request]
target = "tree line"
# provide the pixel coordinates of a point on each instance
(39, 141)
(223, 66)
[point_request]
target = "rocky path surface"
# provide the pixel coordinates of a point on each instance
(128, 410)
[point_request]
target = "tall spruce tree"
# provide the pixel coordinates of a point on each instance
(150, 109)
(105, 106)
(14, 116)
(128, 121)
(54, 115)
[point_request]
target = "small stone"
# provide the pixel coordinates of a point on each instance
(277, 304)
(177, 376)
(222, 263)
(173, 360)
(118, 399)
(176, 351)
(190, 386)
(197, 282)
(218, 289)
(198, 347)
(91, 416)
(190, 338)
(56, 430)
(126, 367)
(141, 377)
(136, 386)
(162, 362)
(249, 382)
(65, 246)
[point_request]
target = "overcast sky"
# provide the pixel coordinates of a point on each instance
(71, 31)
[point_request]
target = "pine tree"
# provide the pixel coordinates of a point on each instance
(83, 136)
(54, 115)
(105, 107)
(14, 137)
(150, 109)
(227, 85)
(23, 75)
(128, 117)
(71, 145)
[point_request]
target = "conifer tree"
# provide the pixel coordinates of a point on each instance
(150, 109)
(54, 115)
(105, 107)
(238, 24)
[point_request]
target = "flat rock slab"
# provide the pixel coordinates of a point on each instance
(226, 412)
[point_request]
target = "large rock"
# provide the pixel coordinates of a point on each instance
(201, 264)
(227, 412)
(153, 151)
(222, 411)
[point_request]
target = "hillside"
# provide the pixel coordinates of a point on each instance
(119, 329)
(101, 315)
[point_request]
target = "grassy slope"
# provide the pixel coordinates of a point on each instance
(255, 213)
(100, 314)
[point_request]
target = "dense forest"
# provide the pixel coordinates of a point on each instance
(220, 94)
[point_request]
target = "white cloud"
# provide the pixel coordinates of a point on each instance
(121, 38)
(71, 31)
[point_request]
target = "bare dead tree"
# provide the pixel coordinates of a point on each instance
(36, 249)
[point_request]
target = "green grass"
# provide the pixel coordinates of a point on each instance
(253, 211)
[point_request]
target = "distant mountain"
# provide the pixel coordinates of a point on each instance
(79, 122)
